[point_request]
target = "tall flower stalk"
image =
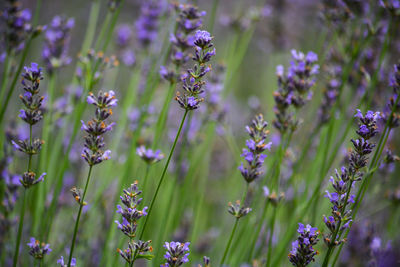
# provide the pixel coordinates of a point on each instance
(130, 215)
(343, 182)
(254, 158)
(31, 114)
(190, 99)
(93, 152)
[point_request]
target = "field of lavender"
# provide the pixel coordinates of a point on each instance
(199, 133)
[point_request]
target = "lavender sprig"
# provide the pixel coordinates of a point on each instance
(57, 37)
(256, 145)
(93, 152)
(148, 155)
(193, 79)
(31, 114)
(255, 158)
(177, 254)
(37, 249)
(130, 216)
(302, 252)
(147, 23)
(189, 20)
(190, 100)
(343, 182)
(18, 27)
(294, 88)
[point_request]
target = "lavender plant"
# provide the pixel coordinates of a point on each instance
(130, 215)
(57, 38)
(343, 181)
(31, 115)
(193, 86)
(93, 152)
(254, 158)
(157, 40)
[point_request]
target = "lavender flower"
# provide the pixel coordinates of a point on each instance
(148, 155)
(130, 216)
(188, 22)
(256, 145)
(38, 250)
(192, 80)
(64, 264)
(294, 88)
(302, 252)
(31, 114)
(342, 183)
(147, 23)
(237, 210)
(17, 25)
(95, 128)
(57, 37)
(330, 96)
(177, 253)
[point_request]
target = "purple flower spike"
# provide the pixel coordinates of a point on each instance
(38, 250)
(253, 155)
(57, 37)
(92, 152)
(302, 252)
(294, 88)
(130, 217)
(148, 155)
(177, 253)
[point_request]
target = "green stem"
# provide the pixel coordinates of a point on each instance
(228, 245)
(81, 204)
(229, 242)
(163, 174)
(271, 233)
(20, 226)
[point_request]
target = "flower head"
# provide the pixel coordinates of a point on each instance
(38, 250)
(148, 155)
(302, 252)
(177, 253)
(57, 36)
(256, 145)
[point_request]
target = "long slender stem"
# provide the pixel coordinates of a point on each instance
(229, 242)
(20, 226)
(271, 233)
(163, 174)
(228, 245)
(22, 214)
(79, 216)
